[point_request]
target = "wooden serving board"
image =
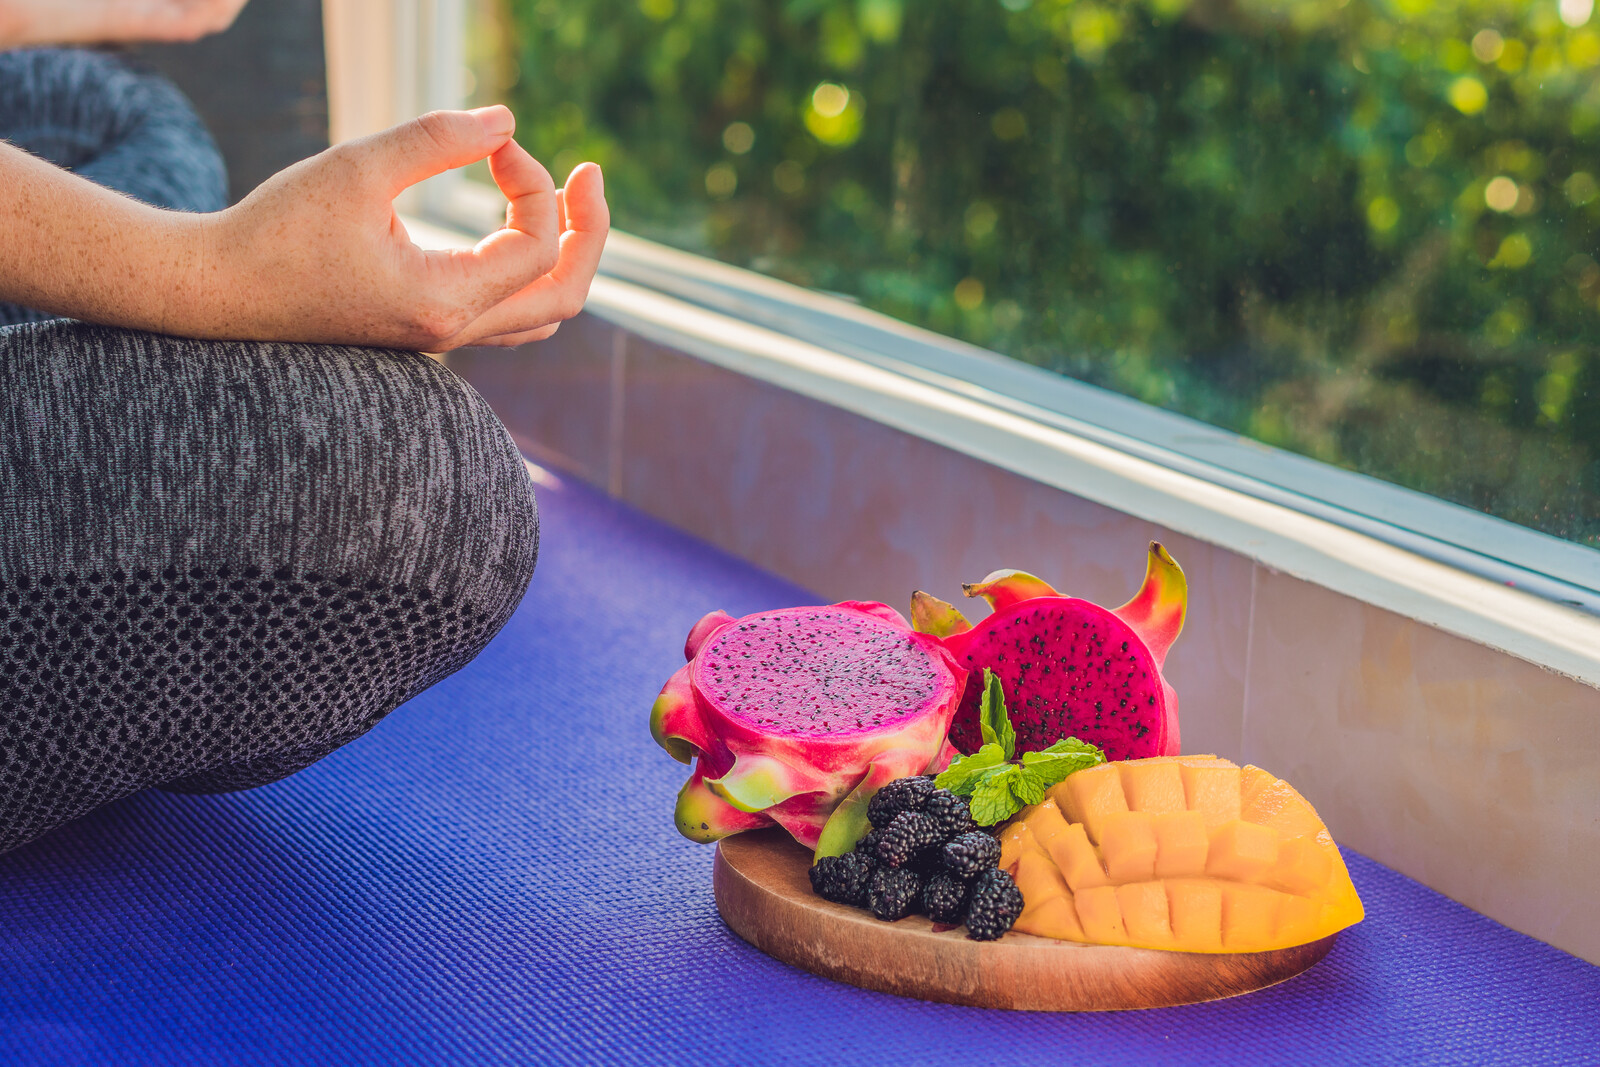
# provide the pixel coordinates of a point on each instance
(764, 895)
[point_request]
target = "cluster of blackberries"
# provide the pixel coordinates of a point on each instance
(923, 853)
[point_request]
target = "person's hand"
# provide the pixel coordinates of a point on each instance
(63, 22)
(317, 253)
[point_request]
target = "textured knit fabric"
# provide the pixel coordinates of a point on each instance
(129, 131)
(220, 561)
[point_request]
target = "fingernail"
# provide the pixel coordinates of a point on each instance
(497, 121)
(599, 175)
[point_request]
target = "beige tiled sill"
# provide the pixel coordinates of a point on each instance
(1470, 769)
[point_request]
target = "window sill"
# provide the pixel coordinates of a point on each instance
(1131, 476)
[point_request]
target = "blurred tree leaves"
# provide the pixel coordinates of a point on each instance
(1364, 230)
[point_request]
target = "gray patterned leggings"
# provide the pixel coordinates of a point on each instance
(221, 561)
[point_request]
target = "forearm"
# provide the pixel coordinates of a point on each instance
(73, 248)
(316, 253)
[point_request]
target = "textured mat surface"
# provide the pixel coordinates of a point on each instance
(492, 876)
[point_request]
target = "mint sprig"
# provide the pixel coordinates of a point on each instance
(993, 720)
(997, 784)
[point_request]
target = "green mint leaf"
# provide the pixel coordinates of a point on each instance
(1058, 761)
(1053, 771)
(1072, 744)
(992, 799)
(1041, 774)
(993, 720)
(1028, 785)
(965, 771)
(997, 787)
(986, 710)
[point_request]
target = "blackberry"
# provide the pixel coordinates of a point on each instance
(994, 904)
(970, 854)
(893, 894)
(910, 833)
(944, 899)
(868, 845)
(900, 795)
(954, 814)
(842, 879)
(928, 861)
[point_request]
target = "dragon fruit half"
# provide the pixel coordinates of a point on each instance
(1070, 668)
(799, 715)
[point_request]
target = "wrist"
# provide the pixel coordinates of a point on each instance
(194, 294)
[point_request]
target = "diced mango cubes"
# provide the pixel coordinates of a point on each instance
(1128, 843)
(1088, 797)
(1242, 851)
(1181, 844)
(1190, 853)
(1151, 786)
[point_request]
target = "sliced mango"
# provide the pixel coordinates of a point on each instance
(1181, 844)
(1212, 790)
(1128, 843)
(1273, 802)
(1068, 845)
(1304, 863)
(1249, 916)
(1038, 878)
(1016, 839)
(1242, 851)
(1056, 917)
(1190, 853)
(1101, 916)
(1195, 908)
(1089, 796)
(1144, 912)
(1152, 787)
(1047, 823)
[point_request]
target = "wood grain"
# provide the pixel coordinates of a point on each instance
(764, 895)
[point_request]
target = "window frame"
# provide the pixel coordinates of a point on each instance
(1483, 578)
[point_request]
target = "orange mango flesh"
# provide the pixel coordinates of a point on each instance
(1188, 853)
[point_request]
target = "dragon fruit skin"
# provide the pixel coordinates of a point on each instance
(1069, 667)
(797, 716)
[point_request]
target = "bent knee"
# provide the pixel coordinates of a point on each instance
(220, 561)
(418, 482)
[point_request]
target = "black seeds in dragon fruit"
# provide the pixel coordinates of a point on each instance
(815, 672)
(1107, 701)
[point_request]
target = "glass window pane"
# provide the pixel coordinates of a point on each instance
(1362, 230)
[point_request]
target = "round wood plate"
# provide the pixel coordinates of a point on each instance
(764, 895)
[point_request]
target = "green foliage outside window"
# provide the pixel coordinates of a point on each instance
(1365, 230)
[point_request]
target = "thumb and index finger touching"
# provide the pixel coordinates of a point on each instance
(531, 314)
(550, 246)
(559, 292)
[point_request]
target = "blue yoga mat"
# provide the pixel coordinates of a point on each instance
(492, 876)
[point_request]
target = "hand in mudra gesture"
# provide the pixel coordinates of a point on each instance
(317, 252)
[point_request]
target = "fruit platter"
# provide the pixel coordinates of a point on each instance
(995, 813)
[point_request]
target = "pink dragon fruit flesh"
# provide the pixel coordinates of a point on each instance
(797, 716)
(1070, 668)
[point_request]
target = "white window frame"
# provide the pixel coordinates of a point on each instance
(1502, 585)
(391, 60)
